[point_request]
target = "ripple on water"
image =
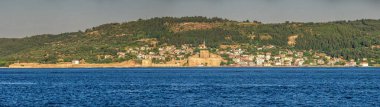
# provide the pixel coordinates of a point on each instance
(17, 83)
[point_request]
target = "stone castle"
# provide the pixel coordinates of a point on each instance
(204, 58)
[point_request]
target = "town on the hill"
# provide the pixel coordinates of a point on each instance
(236, 56)
(200, 42)
(201, 56)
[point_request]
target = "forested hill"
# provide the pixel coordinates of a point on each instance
(347, 39)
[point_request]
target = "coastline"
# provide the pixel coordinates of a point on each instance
(120, 67)
(134, 65)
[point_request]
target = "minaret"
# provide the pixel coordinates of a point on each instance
(203, 46)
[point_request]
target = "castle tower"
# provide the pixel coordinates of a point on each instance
(204, 53)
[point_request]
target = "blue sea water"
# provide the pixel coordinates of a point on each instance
(191, 87)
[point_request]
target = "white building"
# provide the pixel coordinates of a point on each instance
(260, 61)
(364, 64)
(75, 62)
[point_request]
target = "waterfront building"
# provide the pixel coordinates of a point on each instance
(204, 58)
(364, 64)
(75, 62)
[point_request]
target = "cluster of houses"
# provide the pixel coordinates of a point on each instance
(233, 55)
(283, 57)
(161, 54)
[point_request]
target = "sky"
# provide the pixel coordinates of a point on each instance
(21, 18)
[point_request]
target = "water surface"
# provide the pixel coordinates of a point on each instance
(191, 87)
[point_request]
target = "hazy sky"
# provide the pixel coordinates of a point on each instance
(20, 18)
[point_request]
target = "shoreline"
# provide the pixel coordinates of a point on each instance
(134, 65)
(188, 67)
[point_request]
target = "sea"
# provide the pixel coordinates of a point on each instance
(190, 87)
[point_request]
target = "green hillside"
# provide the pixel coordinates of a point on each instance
(347, 39)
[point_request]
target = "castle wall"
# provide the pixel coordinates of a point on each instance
(204, 54)
(205, 59)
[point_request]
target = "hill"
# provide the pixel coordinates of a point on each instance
(347, 39)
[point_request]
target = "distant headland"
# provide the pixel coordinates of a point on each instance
(200, 42)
